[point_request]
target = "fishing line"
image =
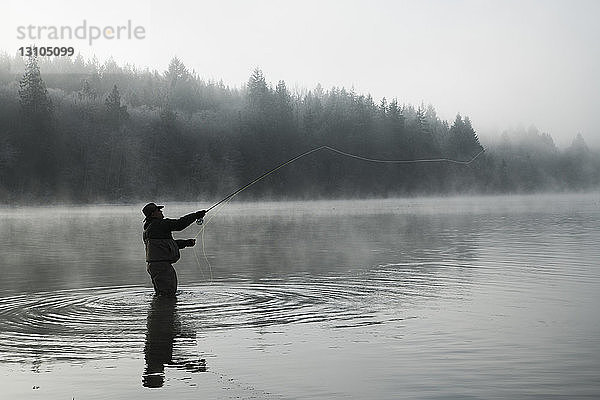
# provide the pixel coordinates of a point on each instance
(202, 230)
(431, 160)
(198, 261)
(230, 196)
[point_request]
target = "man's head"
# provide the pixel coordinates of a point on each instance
(152, 210)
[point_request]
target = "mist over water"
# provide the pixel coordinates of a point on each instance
(482, 297)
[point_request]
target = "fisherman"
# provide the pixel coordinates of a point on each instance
(161, 249)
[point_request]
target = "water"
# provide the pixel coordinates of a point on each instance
(483, 298)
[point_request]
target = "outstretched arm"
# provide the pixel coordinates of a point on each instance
(183, 222)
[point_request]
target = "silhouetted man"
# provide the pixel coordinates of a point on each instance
(161, 249)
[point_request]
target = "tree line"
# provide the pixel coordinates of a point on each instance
(77, 131)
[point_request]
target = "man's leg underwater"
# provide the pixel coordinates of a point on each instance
(164, 278)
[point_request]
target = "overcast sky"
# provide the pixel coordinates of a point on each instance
(502, 63)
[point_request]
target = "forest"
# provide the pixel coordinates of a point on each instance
(80, 131)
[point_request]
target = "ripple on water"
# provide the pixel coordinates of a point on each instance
(99, 323)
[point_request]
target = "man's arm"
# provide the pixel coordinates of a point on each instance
(183, 243)
(183, 222)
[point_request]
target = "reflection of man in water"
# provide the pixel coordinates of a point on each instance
(163, 326)
(161, 332)
(161, 249)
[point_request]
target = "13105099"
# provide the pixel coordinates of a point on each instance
(46, 51)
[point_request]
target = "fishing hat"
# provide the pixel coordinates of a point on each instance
(150, 208)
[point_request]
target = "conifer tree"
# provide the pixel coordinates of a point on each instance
(257, 90)
(462, 140)
(283, 105)
(33, 95)
(177, 72)
(117, 113)
(260, 104)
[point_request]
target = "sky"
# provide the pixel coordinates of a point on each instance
(505, 64)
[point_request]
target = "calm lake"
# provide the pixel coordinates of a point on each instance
(453, 298)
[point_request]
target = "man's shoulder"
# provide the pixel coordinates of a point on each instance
(155, 223)
(158, 229)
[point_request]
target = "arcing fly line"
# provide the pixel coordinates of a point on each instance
(230, 196)
(343, 153)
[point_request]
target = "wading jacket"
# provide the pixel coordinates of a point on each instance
(158, 239)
